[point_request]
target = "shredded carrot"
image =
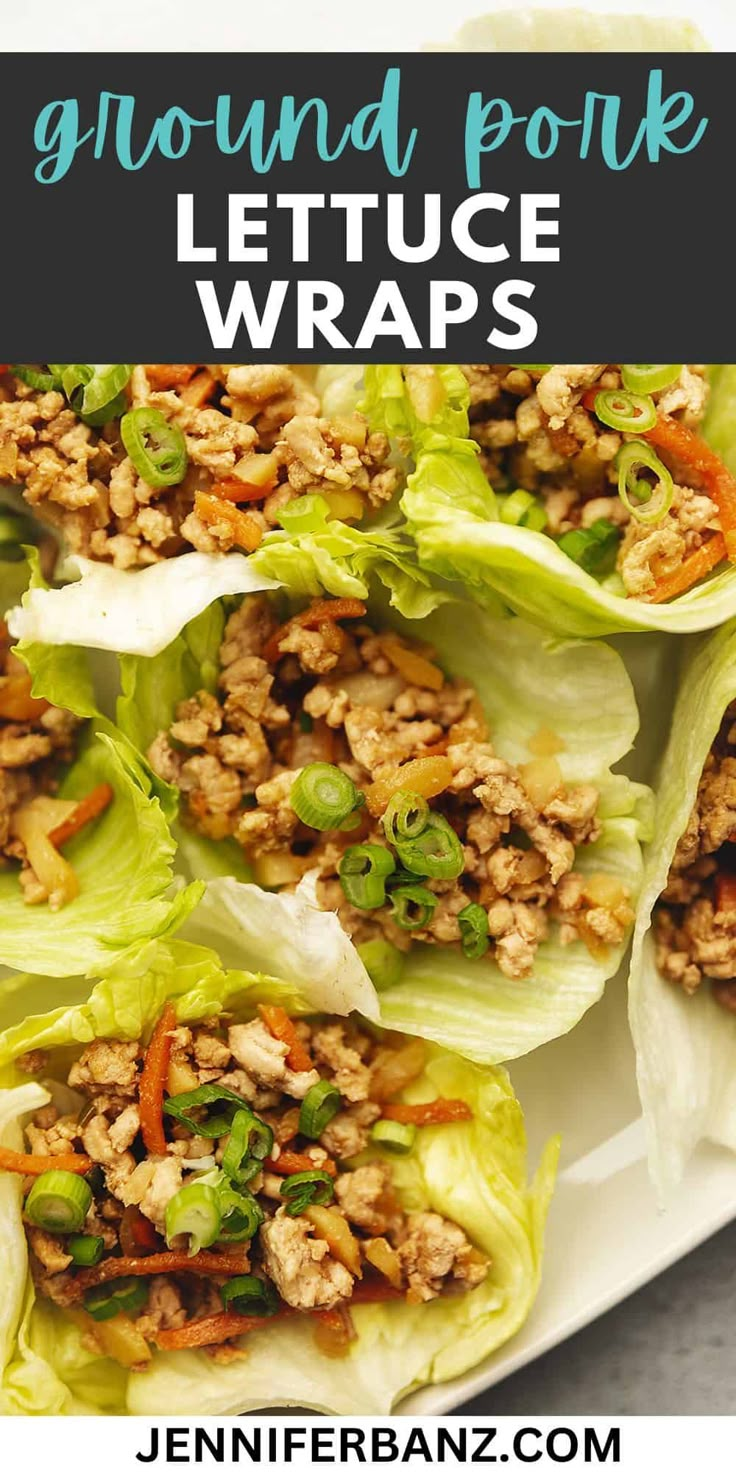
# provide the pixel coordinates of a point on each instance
(169, 375)
(37, 1165)
(85, 811)
(153, 1081)
(286, 1126)
(16, 701)
(695, 567)
(374, 1290)
(291, 1163)
(676, 439)
(215, 1329)
(440, 1111)
(280, 1024)
(246, 530)
(322, 611)
(236, 490)
(138, 1236)
(203, 1265)
(725, 891)
(196, 393)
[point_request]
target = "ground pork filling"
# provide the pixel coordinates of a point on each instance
(377, 706)
(255, 440)
(695, 920)
(36, 739)
(536, 434)
(353, 1243)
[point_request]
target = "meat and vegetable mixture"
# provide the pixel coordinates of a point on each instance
(36, 741)
(695, 921)
(606, 459)
(331, 746)
(137, 462)
(205, 1183)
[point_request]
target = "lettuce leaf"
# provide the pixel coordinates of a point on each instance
(560, 29)
(526, 680)
(685, 1046)
(452, 513)
(474, 1173)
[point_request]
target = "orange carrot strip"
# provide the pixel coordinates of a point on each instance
(322, 611)
(725, 891)
(16, 701)
(203, 1265)
(87, 808)
(213, 1330)
(236, 490)
(247, 532)
(440, 1111)
(280, 1024)
(153, 1080)
(291, 1163)
(169, 375)
(690, 571)
(37, 1165)
(676, 439)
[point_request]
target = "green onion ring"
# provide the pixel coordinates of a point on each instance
(319, 1105)
(413, 906)
(398, 1138)
(406, 816)
(473, 922)
(626, 412)
(436, 854)
(363, 871)
(323, 796)
(629, 458)
(306, 1188)
(250, 1295)
(85, 1252)
(180, 1107)
(58, 1201)
(249, 1136)
(158, 449)
(241, 1214)
(194, 1212)
(649, 378)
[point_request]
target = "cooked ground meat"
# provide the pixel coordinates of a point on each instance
(321, 689)
(535, 433)
(310, 1251)
(695, 920)
(36, 739)
(255, 438)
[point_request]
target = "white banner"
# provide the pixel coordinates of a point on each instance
(635, 1443)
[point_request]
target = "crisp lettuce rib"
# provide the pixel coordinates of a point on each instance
(474, 1173)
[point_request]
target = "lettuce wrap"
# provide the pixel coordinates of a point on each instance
(683, 951)
(490, 994)
(108, 883)
(480, 512)
(268, 461)
(465, 1178)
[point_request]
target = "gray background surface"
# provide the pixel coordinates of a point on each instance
(669, 1350)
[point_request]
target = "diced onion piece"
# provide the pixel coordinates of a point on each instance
(345, 505)
(351, 429)
(377, 691)
(30, 824)
(542, 780)
(413, 666)
(330, 1225)
(180, 1078)
(605, 890)
(545, 742)
(117, 1338)
(274, 870)
(381, 1256)
(201, 388)
(428, 776)
(258, 470)
(16, 701)
(397, 1068)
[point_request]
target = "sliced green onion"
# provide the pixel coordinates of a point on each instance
(594, 548)
(363, 870)
(473, 922)
(306, 1188)
(194, 1212)
(631, 457)
(319, 1105)
(405, 817)
(212, 1126)
(85, 1252)
(250, 1295)
(58, 1201)
(158, 449)
(241, 1214)
(249, 1136)
(523, 509)
(436, 854)
(322, 796)
(649, 378)
(383, 962)
(626, 412)
(304, 514)
(398, 1138)
(105, 1300)
(413, 906)
(35, 378)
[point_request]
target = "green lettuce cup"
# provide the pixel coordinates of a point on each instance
(87, 852)
(551, 498)
(682, 963)
(200, 483)
(567, 28)
(366, 1318)
(496, 745)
